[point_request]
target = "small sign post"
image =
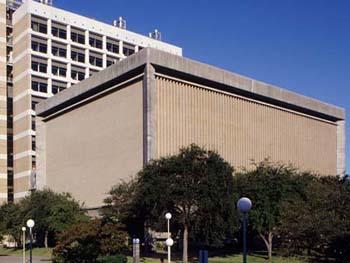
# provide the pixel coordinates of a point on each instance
(136, 250)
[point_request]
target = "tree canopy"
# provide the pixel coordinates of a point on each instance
(195, 185)
(269, 185)
(318, 221)
(52, 213)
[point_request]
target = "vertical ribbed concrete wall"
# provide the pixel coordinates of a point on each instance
(241, 129)
(3, 105)
(341, 147)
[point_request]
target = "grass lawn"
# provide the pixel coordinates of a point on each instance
(223, 259)
(229, 259)
(43, 252)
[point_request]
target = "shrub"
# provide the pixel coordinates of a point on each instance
(86, 241)
(112, 239)
(78, 244)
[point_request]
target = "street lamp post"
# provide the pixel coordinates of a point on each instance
(169, 242)
(30, 224)
(244, 205)
(24, 243)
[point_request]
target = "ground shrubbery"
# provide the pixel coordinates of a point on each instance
(87, 241)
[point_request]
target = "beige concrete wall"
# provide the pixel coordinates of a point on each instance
(21, 184)
(22, 25)
(23, 164)
(241, 130)
(23, 144)
(22, 84)
(22, 65)
(93, 147)
(23, 104)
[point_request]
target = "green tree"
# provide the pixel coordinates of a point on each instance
(121, 207)
(196, 187)
(11, 221)
(269, 185)
(319, 220)
(52, 213)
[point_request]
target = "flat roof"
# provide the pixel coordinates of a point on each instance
(95, 26)
(196, 72)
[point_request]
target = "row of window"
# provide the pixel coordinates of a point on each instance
(75, 55)
(42, 87)
(79, 37)
(57, 71)
(62, 52)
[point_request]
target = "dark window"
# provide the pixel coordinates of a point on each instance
(77, 56)
(128, 51)
(39, 27)
(59, 71)
(77, 75)
(39, 67)
(33, 123)
(59, 32)
(95, 42)
(55, 89)
(33, 137)
(112, 47)
(59, 52)
(39, 86)
(39, 47)
(111, 61)
(76, 37)
(34, 103)
(95, 61)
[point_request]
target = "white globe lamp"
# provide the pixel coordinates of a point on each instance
(169, 242)
(168, 216)
(30, 223)
(244, 204)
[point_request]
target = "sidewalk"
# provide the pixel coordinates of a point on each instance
(17, 259)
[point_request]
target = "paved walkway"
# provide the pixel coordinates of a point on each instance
(16, 259)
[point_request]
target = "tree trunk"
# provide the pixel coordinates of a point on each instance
(270, 246)
(46, 238)
(268, 243)
(185, 244)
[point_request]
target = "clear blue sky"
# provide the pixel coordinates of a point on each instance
(300, 45)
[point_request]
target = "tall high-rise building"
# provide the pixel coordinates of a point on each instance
(44, 50)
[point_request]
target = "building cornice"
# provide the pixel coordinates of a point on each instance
(196, 72)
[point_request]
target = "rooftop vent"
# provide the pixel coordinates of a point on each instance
(46, 2)
(157, 35)
(14, 4)
(121, 23)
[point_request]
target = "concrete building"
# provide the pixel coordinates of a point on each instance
(106, 128)
(44, 50)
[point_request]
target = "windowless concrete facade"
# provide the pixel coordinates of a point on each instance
(152, 103)
(44, 50)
